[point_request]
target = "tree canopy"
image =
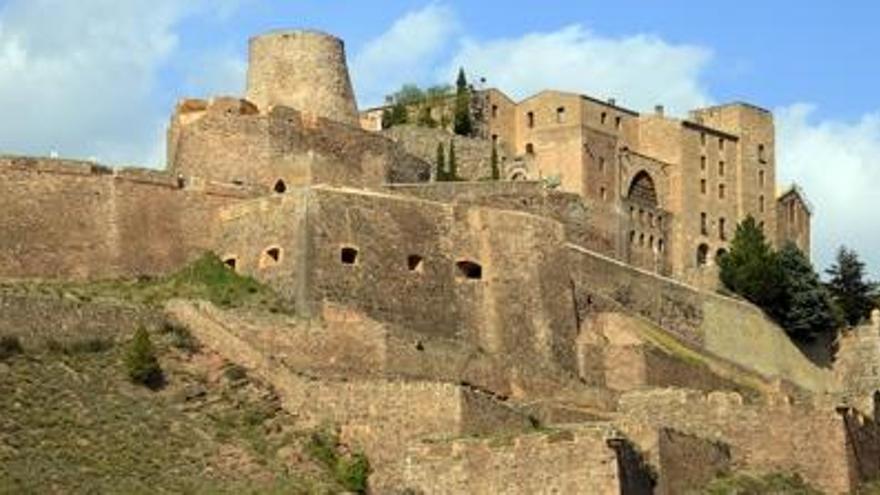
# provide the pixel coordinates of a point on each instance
(849, 287)
(750, 268)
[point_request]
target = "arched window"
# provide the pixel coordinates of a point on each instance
(703, 255)
(642, 190)
(720, 254)
(280, 187)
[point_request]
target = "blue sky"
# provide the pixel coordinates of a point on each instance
(97, 78)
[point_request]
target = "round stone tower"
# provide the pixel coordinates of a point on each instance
(305, 70)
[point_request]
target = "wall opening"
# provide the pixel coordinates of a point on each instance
(530, 149)
(530, 119)
(280, 187)
(721, 253)
(560, 115)
(348, 255)
(703, 255)
(230, 262)
(469, 270)
(415, 263)
(642, 190)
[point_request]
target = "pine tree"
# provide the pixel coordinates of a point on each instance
(751, 269)
(496, 171)
(441, 164)
(808, 309)
(462, 124)
(849, 288)
(453, 163)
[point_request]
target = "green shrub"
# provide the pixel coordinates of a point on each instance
(141, 362)
(9, 346)
(181, 337)
(235, 373)
(765, 484)
(351, 471)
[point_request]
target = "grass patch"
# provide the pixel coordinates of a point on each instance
(181, 338)
(765, 484)
(206, 278)
(89, 345)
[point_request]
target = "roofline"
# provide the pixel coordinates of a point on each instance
(733, 104)
(704, 128)
(798, 191)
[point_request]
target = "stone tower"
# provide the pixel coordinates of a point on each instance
(305, 70)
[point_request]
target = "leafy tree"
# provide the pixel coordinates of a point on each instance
(462, 124)
(808, 309)
(453, 163)
(751, 269)
(396, 115)
(849, 287)
(441, 164)
(141, 361)
(496, 171)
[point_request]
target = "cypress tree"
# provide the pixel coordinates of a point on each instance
(849, 288)
(141, 361)
(751, 269)
(462, 124)
(441, 164)
(453, 164)
(496, 171)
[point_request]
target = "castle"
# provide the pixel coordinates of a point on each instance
(466, 312)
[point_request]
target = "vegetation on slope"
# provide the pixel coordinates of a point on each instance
(766, 484)
(72, 422)
(206, 278)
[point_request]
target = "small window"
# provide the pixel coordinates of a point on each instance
(761, 204)
(274, 254)
(530, 149)
(720, 143)
(603, 193)
(761, 154)
(722, 233)
(661, 246)
(603, 118)
(632, 236)
(494, 111)
(761, 179)
(703, 163)
(280, 187)
(703, 255)
(720, 191)
(617, 122)
(494, 139)
(530, 119)
(230, 262)
(721, 253)
(415, 263)
(641, 239)
(704, 223)
(721, 168)
(348, 255)
(703, 186)
(560, 115)
(469, 270)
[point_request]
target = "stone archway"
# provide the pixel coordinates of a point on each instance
(642, 190)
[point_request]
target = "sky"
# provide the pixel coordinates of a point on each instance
(97, 79)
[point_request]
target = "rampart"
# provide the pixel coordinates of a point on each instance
(229, 140)
(78, 220)
(827, 448)
(724, 327)
(495, 278)
(473, 157)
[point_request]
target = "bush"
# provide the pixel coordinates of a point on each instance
(141, 362)
(181, 337)
(9, 346)
(351, 471)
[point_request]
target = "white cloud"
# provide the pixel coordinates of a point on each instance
(80, 77)
(838, 164)
(640, 71)
(405, 53)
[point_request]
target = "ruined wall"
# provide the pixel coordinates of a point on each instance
(813, 443)
(226, 141)
(472, 156)
(305, 70)
(568, 461)
(727, 328)
(857, 367)
(77, 220)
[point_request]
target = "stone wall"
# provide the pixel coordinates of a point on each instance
(227, 140)
(78, 220)
(37, 319)
(780, 437)
(567, 461)
(497, 279)
(472, 156)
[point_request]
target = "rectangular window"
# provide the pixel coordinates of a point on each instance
(761, 178)
(703, 186)
(721, 230)
(720, 143)
(560, 115)
(704, 224)
(721, 168)
(761, 154)
(617, 122)
(494, 111)
(530, 119)
(720, 191)
(603, 118)
(703, 163)
(603, 193)
(761, 204)
(702, 139)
